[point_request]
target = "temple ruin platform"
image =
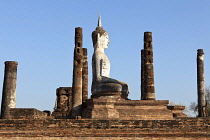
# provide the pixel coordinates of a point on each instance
(109, 108)
(93, 129)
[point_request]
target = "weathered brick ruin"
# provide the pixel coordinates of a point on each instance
(93, 129)
(9, 89)
(63, 102)
(147, 73)
(109, 115)
(201, 84)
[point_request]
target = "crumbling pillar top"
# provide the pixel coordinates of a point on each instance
(11, 63)
(200, 51)
(148, 36)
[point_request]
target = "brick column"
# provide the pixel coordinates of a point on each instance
(142, 75)
(201, 84)
(9, 89)
(148, 73)
(77, 74)
(85, 76)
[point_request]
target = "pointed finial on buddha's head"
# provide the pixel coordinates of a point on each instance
(99, 32)
(99, 20)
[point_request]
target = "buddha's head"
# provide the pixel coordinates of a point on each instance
(100, 36)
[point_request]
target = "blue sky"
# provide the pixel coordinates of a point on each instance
(39, 35)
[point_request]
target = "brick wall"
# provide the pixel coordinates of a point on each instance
(112, 108)
(27, 113)
(192, 128)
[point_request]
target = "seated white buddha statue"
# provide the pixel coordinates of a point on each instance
(102, 84)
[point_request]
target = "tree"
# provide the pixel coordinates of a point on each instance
(186, 111)
(208, 101)
(194, 106)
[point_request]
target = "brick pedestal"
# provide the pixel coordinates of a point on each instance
(113, 108)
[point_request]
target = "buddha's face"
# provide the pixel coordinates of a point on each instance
(104, 40)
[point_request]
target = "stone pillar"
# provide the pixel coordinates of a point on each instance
(9, 89)
(63, 102)
(148, 73)
(85, 76)
(77, 74)
(201, 84)
(142, 75)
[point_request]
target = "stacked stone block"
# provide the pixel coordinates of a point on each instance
(85, 76)
(27, 113)
(181, 128)
(201, 84)
(63, 102)
(9, 89)
(80, 75)
(147, 72)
